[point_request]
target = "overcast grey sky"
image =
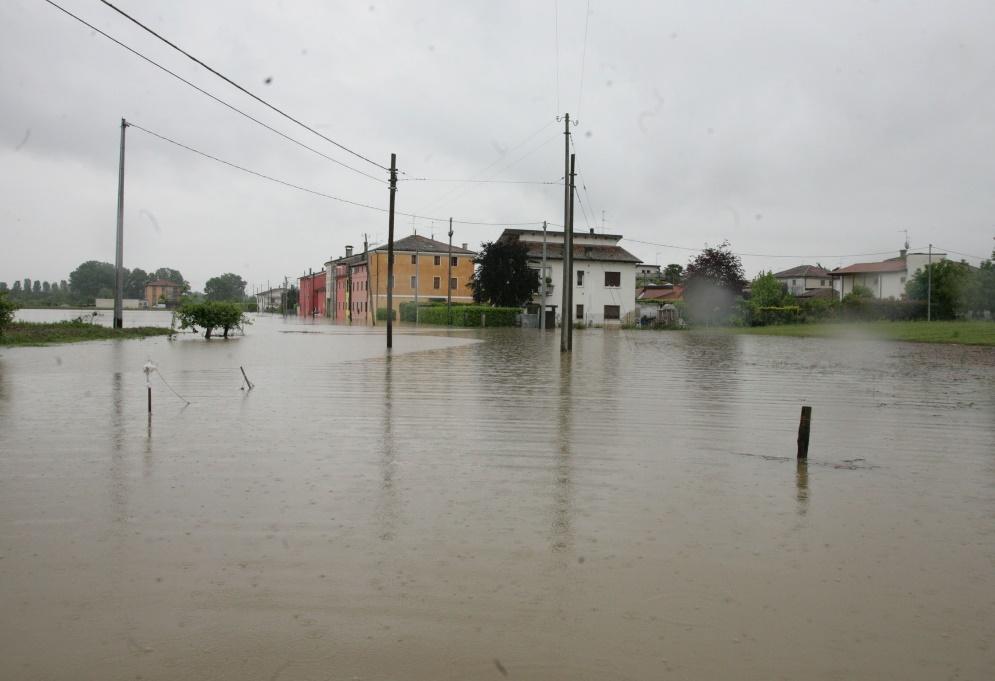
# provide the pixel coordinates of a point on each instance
(814, 129)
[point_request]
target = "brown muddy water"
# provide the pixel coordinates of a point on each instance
(478, 506)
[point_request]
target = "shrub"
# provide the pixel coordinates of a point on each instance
(211, 315)
(7, 310)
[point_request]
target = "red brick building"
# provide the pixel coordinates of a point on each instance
(312, 295)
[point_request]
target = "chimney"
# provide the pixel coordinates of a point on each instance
(464, 246)
(902, 252)
(592, 230)
(348, 251)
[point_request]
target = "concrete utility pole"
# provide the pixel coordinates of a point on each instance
(449, 277)
(119, 251)
(390, 253)
(570, 248)
(565, 316)
(929, 285)
(542, 282)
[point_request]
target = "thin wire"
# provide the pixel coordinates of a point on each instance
(760, 255)
(556, 42)
(966, 255)
(163, 379)
(316, 192)
(436, 179)
(583, 58)
(239, 87)
(208, 94)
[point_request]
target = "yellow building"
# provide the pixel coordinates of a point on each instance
(161, 291)
(423, 264)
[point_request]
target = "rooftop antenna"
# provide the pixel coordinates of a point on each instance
(602, 220)
(906, 238)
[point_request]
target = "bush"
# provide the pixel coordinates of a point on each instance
(211, 315)
(776, 314)
(7, 310)
(462, 315)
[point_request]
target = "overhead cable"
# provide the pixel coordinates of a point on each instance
(761, 255)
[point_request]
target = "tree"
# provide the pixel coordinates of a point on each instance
(503, 277)
(134, 283)
(673, 273)
(27, 285)
(17, 287)
(713, 280)
(64, 286)
(228, 286)
(92, 278)
(46, 287)
(766, 291)
(3, 287)
(211, 315)
(172, 275)
(7, 309)
(950, 281)
(981, 288)
(36, 287)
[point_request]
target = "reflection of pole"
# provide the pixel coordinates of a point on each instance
(449, 277)
(929, 285)
(542, 282)
(119, 251)
(390, 253)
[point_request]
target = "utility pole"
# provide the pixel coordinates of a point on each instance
(119, 251)
(390, 252)
(542, 283)
(449, 277)
(570, 247)
(929, 285)
(565, 316)
(283, 298)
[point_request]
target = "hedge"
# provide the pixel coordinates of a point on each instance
(462, 315)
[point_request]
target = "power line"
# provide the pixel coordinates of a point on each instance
(761, 255)
(966, 255)
(436, 179)
(583, 58)
(239, 87)
(208, 94)
(316, 192)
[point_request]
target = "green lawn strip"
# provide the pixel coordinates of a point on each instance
(47, 333)
(957, 332)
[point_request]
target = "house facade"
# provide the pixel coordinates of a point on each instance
(311, 300)
(604, 280)
(884, 279)
(804, 278)
(162, 291)
(271, 300)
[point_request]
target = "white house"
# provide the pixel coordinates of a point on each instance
(604, 281)
(885, 279)
(270, 300)
(804, 278)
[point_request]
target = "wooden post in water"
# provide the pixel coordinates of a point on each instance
(804, 425)
(247, 381)
(149, 388)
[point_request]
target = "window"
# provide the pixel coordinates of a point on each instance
(414, 283)
(822, 282)
(903, 280)
(452, 284)
(454, 261)
(437, 260)
(794, 282)
(611, 312)
(414, 260)
(580, 277)
(436, 282)
(580, 312)
(613, 279)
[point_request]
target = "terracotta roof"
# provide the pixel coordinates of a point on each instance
(892, 265)
(581, 252)
(164, 282)
(802, 271)
(422, 244)
(661, 294)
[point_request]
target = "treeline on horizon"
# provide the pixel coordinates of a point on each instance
(90, 280)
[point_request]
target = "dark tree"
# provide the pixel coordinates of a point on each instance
(951, 280)
(91, 278)
(981, 291)
(503, 277)
(64, 286)
(46, 287)
(17, 287)
(36, 287)
(228, 286)
(134, 283)
(713, 281)
(27, 285)
(3, 287)
(674, 273)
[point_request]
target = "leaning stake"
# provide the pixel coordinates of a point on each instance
(804, 425)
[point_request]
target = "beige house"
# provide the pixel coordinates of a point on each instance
(162, 291)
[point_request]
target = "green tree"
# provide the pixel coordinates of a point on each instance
(674, 273)
(981, 288)
(134, 283)
(17, 287)
(766, 291)
(92, 278)
(503, 277)
(46, 287)
(7, 310)
(211, 315)
(713, 280)
(950, 281)
(3, 287)
(64, 286)
(36, 287)
(228, 286)
(27, 285)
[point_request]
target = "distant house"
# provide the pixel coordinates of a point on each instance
(604, 284)
(804, 278)
(162, 292)
(270, 300)
(652, 297)
(647, 272)
(311, 299)
(884, 279)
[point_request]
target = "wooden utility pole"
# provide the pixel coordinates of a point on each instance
(542, 282)
(565, 316)
(390, 253)
(569, 237)
(929, 285)
(449, 277)
(119, 250)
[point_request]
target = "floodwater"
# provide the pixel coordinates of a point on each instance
(479, 506)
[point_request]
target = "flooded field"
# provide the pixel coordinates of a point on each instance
(478, 506)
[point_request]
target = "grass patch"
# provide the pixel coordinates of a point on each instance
(957, 332)
(47, 333)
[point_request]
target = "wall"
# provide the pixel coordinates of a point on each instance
(427, 270)
(594, 295)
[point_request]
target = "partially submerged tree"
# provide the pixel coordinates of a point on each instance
(713, 280)
(211, 315)
(503, 277)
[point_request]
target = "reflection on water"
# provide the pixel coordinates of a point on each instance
(478, 496)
